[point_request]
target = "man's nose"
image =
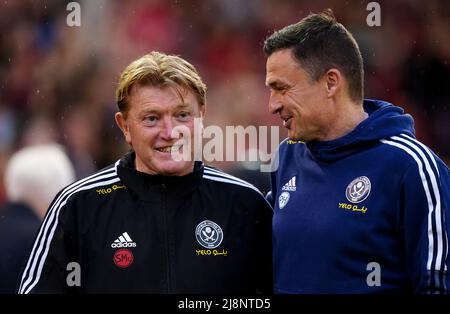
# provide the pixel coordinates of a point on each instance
(167, 129)
(274, 104)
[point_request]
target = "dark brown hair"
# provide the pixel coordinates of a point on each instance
(319, 42)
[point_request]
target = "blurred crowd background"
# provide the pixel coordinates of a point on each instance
(57, 82)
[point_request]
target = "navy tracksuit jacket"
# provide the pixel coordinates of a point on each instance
(367, 212)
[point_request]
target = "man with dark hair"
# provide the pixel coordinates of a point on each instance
(360, 206)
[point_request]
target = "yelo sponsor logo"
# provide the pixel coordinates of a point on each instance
(290, 142)
(109, 190)
(353, 208)
(211, 252)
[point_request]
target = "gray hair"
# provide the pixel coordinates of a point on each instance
(35, 174)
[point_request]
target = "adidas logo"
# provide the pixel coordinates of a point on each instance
(123, 241)
(290, 186)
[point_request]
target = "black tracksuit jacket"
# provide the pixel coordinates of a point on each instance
(130, 232)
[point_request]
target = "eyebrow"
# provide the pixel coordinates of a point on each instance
(276, 84)
(177, 107)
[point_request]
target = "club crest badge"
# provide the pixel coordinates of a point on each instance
(209, 234)
(283, 199)
(358, 190)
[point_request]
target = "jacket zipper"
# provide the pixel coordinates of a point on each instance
(166, 236)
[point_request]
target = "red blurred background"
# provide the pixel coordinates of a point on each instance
(57, 82)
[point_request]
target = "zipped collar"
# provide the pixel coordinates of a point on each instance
(145, 185)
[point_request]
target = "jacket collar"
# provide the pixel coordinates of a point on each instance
(145, 185)
(384, 121)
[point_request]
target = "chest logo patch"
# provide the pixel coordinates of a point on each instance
(358, 190)
(123, 258)
(209, 234)
(283, 199)
(124, 240)
(290, 185)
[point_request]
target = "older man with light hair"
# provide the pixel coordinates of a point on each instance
(33, 177)
(152, 223)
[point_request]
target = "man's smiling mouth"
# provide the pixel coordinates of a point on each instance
(286, 121)
(169, 149)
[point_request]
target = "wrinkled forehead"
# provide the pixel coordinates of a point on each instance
(170, 89)
(162, 96)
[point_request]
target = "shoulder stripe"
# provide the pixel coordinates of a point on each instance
(434, 207)
(283, 141)
(44, 244)
(219, 173)
(425, 148)
(228, 178)
(225, 178)
(43, 238)
(222, 179)
(225, 175)
(69, 189)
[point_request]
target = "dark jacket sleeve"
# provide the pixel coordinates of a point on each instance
(273, 190)
(53, 249)
(272, 194)
(425, 200)
(264, 272)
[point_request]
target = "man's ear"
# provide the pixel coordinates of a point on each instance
(334, 82)
(122, 124)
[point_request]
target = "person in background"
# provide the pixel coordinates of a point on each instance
(33, 177)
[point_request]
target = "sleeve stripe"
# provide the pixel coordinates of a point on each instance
(433, 208)
(426, 149)
(438, 211)
(219, 173)
(46, 243)
(50, 219)
(49, 215)
(224, 177)
(445, 235)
